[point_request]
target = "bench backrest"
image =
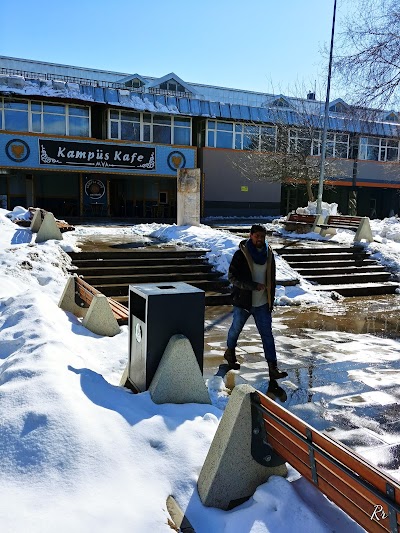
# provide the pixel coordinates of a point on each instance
(84, 292)
(343, 220)
(355, 485)
(296, 217)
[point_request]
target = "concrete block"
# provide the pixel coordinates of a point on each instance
(364, 231)
(67, 300)
(36, 221)
(230, 474)
(319, 219)
(99, 317)
(188, 195)
(48, 229)
(178, 378)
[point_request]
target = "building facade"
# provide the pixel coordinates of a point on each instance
(81, 142)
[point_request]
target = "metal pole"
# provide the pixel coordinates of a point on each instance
(326, 118)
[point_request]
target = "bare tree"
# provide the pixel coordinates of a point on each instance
(294, 159)
(367, 52)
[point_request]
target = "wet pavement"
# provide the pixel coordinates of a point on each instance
(343, 367)
(343, 362)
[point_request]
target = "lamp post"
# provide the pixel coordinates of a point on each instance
(326, 119)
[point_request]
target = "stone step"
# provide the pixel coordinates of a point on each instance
(151, 277)
(349, 278)
(361, 289)
(330, 270)
(128, 270)
(140, 253)
(121, 289)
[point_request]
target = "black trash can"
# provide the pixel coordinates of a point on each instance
(157, 311)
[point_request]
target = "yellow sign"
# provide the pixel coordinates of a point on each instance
(244, 188)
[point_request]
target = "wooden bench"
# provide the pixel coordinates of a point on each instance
(84, 296)
(362, 490)
(101, 315)
(302, 223)
(360, 225)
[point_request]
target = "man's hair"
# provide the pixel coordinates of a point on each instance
(255, 228)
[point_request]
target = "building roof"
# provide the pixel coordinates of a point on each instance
(25, 77)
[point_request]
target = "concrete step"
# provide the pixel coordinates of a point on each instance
(361, 289)
(311, 257)
(212, 298)
(334, 270)
(332, 264)
(349, 278)
(320, 250)
(121, 289)
(151, 277)
(133, 261)
(140, 253)
(117, 271)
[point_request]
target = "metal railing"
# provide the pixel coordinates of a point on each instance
(43, 76)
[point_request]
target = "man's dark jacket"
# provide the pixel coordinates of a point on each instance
(240, 276)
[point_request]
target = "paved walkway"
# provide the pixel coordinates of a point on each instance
(342, 382)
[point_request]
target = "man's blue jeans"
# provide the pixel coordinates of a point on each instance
(263, 320)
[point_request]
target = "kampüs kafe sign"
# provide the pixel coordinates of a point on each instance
(95, 155)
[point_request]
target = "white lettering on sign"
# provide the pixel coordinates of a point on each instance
(378, 514)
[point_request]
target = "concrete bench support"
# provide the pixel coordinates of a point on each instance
(364, 231)
(98, 317)
(36, 221)
(230, 474)
(48, 229)
(178, 378)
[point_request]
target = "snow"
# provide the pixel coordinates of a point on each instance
(78, 452)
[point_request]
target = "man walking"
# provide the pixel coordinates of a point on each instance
(252, 274)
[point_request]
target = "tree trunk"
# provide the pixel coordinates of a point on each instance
(309, 191)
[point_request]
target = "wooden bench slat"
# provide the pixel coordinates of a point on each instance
(86, 293)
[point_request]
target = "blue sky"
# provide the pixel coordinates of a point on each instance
(259, 45)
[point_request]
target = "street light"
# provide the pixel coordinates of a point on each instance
(326, 119)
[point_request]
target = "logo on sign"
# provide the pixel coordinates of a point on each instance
(17, 150)
(176, 160)
(95, 189)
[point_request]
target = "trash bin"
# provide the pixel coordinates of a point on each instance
(157, 311)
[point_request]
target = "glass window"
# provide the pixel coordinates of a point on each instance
(54, 124)
(225, 126)
(36, 123)
(224, 139)
(160, 119)
(178, 121)
(161, 134)
(78, 127)
(21, 105)
(182, 136)
(211, 139)
(15, 120)
(130, 131)
(114, 130)
(54, 108)
(78, 111)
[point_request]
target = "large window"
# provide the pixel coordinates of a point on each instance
(44, 117)
(309, 143)
(240, 136)
(377, 149)
(146, 127)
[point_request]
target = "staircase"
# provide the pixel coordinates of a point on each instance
(111, 272)
(349, 271)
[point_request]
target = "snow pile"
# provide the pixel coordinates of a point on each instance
(79, 453)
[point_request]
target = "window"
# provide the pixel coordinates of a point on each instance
(240, 136)
(377, 149)
(146, 127)
(16, 115)
(44, 117)
(337, 144)
(125, 125)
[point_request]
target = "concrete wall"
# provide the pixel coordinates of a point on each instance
(223, 185)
